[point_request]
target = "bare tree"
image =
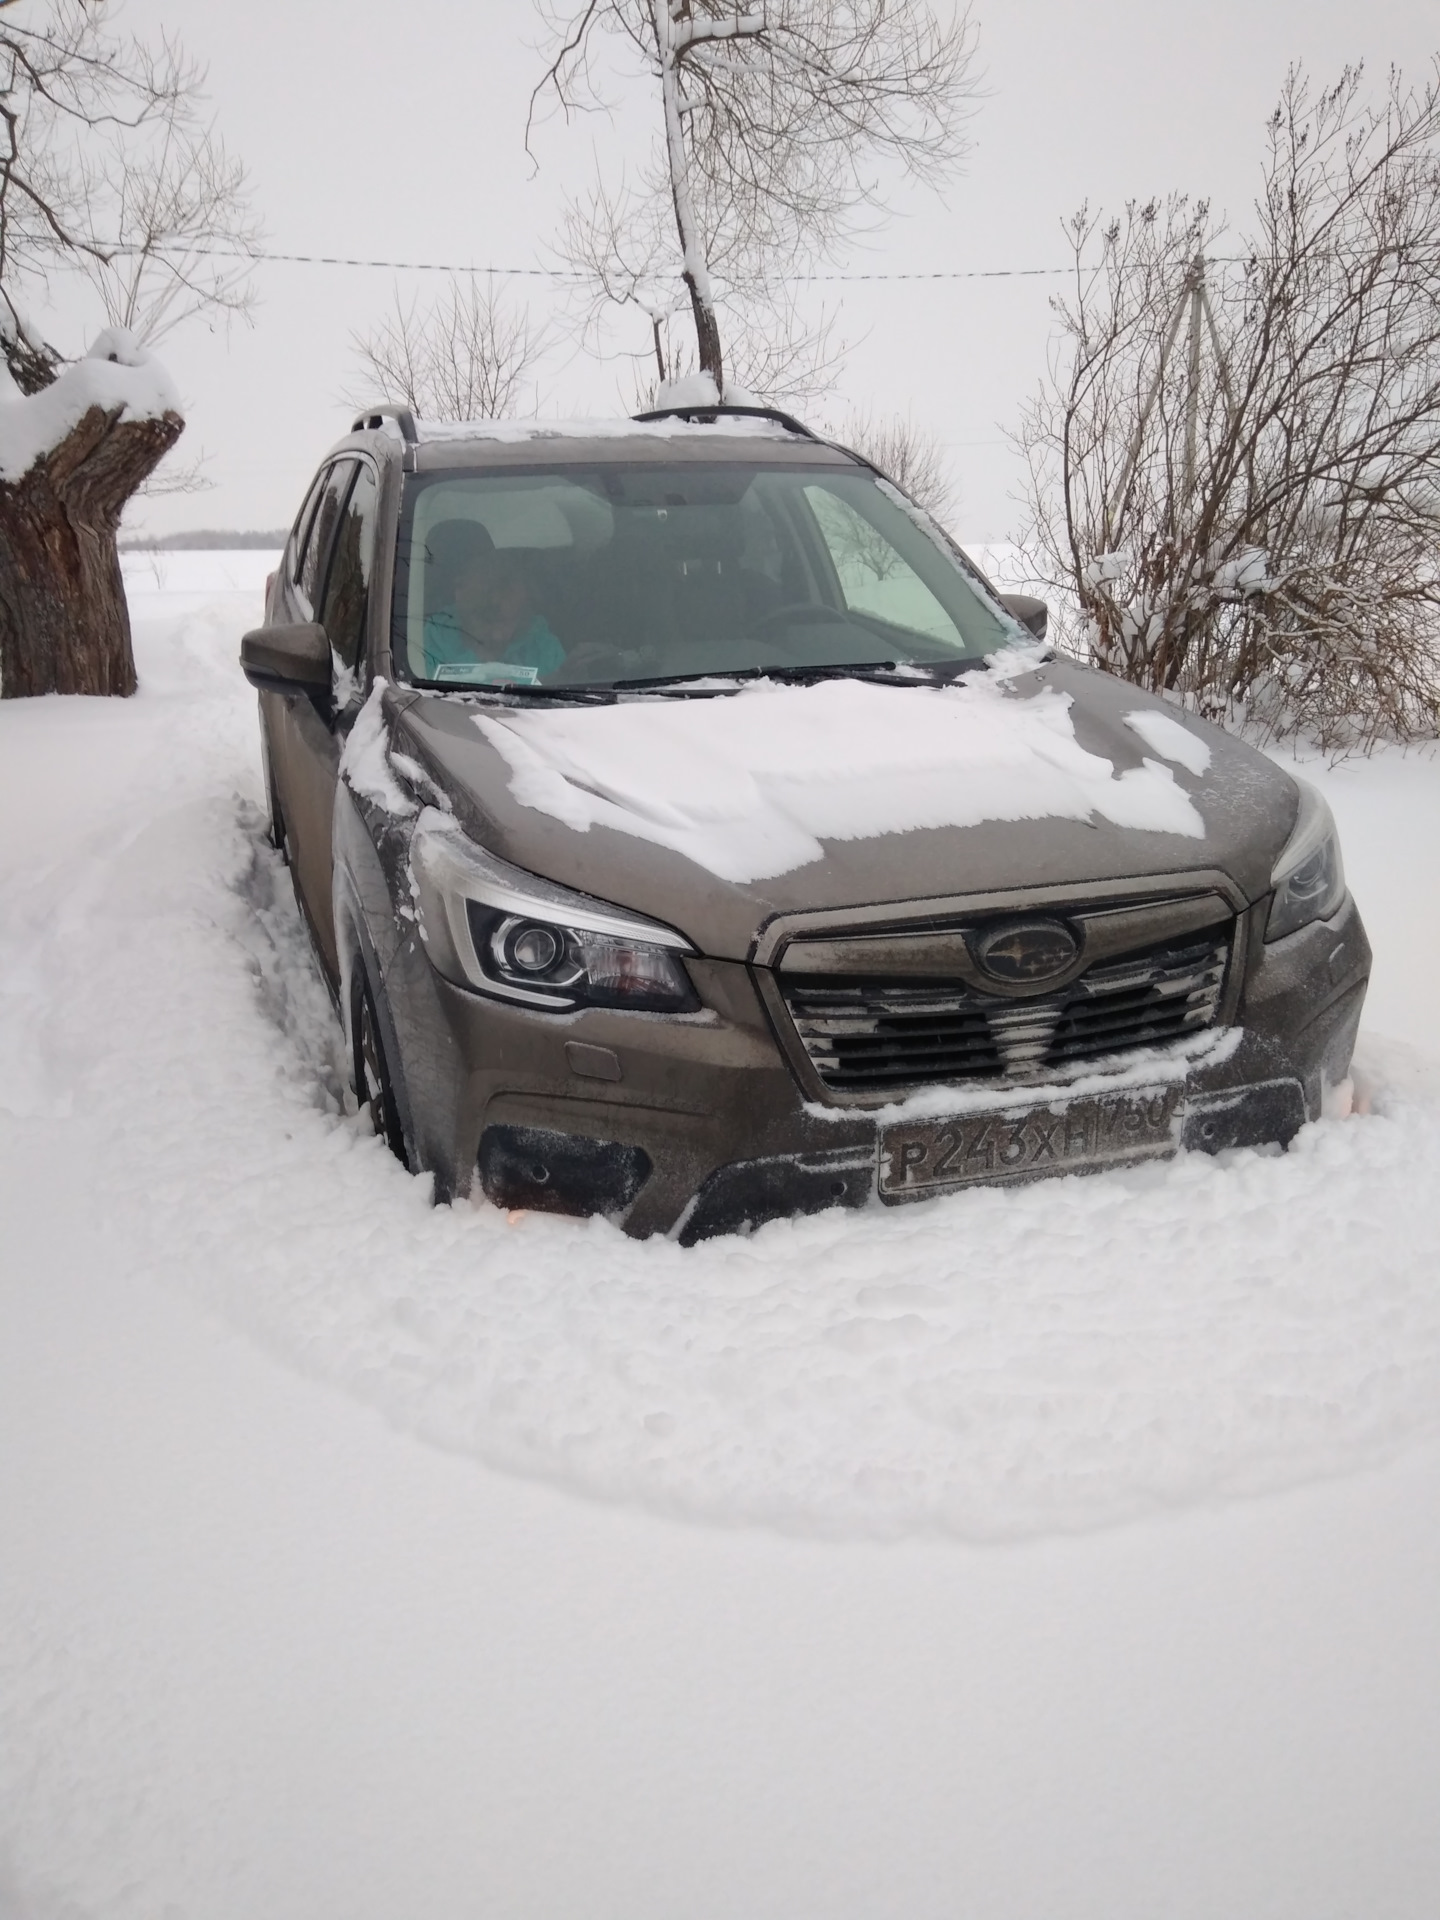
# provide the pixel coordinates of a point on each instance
(621, 250)
(108, 170)
(776, 125)
(907, 454)
(465, 357)
(1235, 463)
(168, 228)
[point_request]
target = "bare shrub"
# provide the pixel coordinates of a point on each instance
(1234, 466)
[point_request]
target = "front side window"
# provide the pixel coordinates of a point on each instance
(626, 575)
(321, 532)
(874, 576)
(299, 533)
(347, 584)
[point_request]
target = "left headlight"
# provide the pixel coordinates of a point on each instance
(499, 930)
(1309, 876)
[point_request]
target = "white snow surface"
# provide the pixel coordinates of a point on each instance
(365, 763)
(116, 374)
(261, 1653)
(751, 785)
(871, 1373)
(1163, 734)
(601, 427)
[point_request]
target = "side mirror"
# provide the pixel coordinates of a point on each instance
(287, 659)
(1030, 612)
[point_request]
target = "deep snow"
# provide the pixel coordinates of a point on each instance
(259, 1653)
(116, 372)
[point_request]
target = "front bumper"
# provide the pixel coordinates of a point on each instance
(696, 1125)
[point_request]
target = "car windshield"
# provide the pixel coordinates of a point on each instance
(627, 576)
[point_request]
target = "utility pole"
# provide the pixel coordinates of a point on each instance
(1192, 384)
(1194, 300)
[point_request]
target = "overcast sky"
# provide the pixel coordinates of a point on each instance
(396, 132)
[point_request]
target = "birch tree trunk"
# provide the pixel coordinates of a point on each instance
(64, 625)
(695, 269)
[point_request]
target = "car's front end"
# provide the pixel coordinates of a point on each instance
(760, 932)
(570, 1054)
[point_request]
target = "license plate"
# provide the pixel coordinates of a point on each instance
(1108, 1130)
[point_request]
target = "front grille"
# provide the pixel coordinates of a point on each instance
(863, 1034)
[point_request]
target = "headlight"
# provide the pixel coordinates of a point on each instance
(1309, 878)
(497, 929)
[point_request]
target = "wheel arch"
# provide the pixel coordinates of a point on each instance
(360, 969)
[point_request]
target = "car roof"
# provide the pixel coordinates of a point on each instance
(444, 445)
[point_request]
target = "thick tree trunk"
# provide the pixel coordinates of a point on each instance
(64, 626)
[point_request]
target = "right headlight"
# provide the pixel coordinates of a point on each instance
(1309, 876)
(496, 929)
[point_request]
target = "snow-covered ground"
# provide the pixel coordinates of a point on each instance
(1070, 1551)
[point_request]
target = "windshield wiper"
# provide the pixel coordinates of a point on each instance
(579, 696)
(719, 677)
(716, 681)
(838, 670)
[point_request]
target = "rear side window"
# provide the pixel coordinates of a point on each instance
(321, 532)
(347, 587)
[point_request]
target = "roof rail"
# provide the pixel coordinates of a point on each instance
(707, 413)
(377, 415)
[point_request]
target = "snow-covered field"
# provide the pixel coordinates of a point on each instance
(1070, 1551)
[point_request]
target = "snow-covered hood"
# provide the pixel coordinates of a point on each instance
(715, 814)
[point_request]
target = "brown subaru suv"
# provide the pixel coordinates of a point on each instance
(690, 833)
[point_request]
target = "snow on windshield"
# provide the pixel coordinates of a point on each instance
(752, 785)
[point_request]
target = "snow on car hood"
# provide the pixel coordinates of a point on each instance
(754, 784)
(1058, 775)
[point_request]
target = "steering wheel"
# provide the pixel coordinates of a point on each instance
(592, 656)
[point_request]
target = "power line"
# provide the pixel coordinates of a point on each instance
(263, 254)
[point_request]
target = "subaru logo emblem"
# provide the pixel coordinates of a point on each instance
(1029, 950)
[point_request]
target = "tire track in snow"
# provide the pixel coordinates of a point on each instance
(998, 1364)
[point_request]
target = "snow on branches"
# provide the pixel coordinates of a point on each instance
(1235, 463)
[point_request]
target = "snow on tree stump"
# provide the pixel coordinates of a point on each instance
(71, 454)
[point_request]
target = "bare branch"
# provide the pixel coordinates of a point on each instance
(907, 454)
(108, 169)
(776, 125)
(465, 357)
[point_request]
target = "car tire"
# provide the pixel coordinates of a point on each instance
(374, 1081)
